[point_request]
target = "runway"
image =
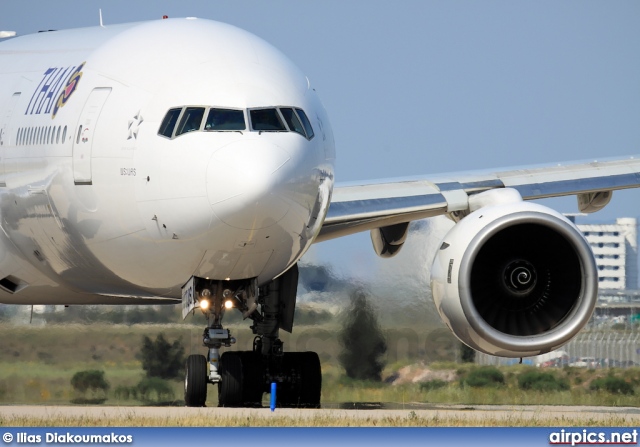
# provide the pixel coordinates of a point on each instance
(411, 415)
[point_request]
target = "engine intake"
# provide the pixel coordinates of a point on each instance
(515, 280)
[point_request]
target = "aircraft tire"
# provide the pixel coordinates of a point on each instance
(311, 373)
(304, 393)
(252, 375)
(231, 384)
(195, 381)
(287, 392)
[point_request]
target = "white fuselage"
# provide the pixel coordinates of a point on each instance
(110, 211)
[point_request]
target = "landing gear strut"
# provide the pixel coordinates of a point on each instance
(244, 376)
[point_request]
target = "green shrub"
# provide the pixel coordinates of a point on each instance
(123, 392)
(612, 384)
(92, 380)
(541, 381)
(432, 385)
(362, 340)
(161, 358)
(483, 377)
(154, 389)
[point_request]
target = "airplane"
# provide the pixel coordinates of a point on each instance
(173, 175)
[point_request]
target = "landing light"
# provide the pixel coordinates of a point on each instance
(228, 304)
(204, 304)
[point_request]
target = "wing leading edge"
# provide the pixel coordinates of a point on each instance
(357, 207)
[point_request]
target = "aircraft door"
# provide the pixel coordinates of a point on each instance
(6, 133)
(83, 139)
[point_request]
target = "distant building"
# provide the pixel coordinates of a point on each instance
(615, 247)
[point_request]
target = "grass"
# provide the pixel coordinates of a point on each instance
(410, 418)
(37, 363)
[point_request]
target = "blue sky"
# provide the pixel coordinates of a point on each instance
(419, 87)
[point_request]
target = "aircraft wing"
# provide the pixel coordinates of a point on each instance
(361, 206)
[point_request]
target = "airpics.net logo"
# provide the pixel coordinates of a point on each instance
(590, 437)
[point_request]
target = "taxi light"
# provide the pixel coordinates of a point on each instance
(228, 304)
(204, 304)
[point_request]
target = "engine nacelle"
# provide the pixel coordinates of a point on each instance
(515, 280)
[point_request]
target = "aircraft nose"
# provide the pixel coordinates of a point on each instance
(247, 185)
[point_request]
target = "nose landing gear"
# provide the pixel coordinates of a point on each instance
(244, 376)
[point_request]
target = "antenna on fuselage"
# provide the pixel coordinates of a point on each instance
(100, 12)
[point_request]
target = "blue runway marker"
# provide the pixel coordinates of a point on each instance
(273, 396)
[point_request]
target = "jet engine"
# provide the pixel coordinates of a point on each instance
(513, 278)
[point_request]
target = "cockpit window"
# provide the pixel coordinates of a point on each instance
(224, 119)
(305, 123)
(169, 122)
(181, 120)
(191, 120)
(292, 120)
(266, 120)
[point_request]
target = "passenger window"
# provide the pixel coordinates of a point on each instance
(191, 120)
(58, 135)
(79, 133)
(266, 119)
(169, 122)
(64, 134)
(305, 123)
(292, 120)
(225, 119)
